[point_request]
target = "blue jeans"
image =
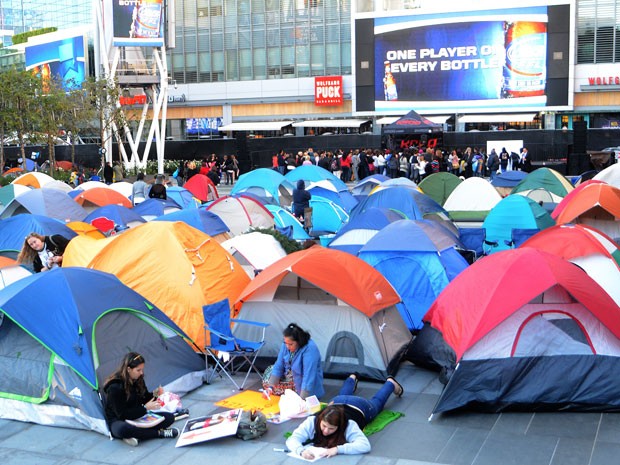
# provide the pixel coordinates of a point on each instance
(372, 407)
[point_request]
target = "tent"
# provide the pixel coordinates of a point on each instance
(511, 221)
(265, 183)
(586, 247)
(85, 229)
(201, 187)
(9, 192)
(153, 208)
(92, 199)
(58, 185)
(360, 229)
(122, 187)
(314, 173)
(439, 186)
(524, 329)
(327, 216)
(14, 230)
(241, 212)
(45, 202)
(505, 182)
(325, 189)
(544, 184)
(255, 251)
(412, 123)
(419, 258)
(175, 266)
(610, 175)
(55, 354)
(201, 219)
(122, 217)
(471, 201)
(34, 179)
(11, 271)
(284, 219)
(566, 200)
(597, 205)
(345, 304)
(183, 197)
(363, 188)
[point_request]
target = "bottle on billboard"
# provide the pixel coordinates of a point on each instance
(146, 17)
(389, 83)
(525, 69)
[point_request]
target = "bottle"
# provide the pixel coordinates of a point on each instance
(389, 83)
(525, 68)
(147, 19)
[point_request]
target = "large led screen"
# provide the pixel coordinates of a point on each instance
(63, 58)
(477, 59)
(138, 22)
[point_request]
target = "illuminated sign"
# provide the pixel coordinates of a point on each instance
(64, 58)
(133, 100)
(328, 91)
(138, 22)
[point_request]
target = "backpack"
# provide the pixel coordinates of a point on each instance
(252, 425)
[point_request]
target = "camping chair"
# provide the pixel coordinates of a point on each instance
(241, 353)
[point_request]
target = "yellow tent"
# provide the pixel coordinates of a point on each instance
(175, 266)
(85, 229)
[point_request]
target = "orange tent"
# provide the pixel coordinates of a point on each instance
(85, 229)
(175, 266)
(6, 261)
(101, 196)
(33, 179)
(597, 205)
(13, 171)
(64, 165)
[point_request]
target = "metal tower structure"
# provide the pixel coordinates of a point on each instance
(130, 53)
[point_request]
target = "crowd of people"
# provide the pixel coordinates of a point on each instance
(411, 163)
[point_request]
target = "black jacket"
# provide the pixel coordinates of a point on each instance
(158, 191)
(301, 198)
(55, 244)
(119, 407)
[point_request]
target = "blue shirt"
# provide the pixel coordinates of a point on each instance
(305, 365)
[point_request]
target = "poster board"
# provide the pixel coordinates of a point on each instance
(252, 400)
(209, 427)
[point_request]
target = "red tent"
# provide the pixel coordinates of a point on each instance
(202, 188)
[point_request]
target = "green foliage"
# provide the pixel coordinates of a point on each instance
(5, 180)
(23, 37)
(289, 245)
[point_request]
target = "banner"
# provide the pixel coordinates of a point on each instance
(138, 23)
(497, 58)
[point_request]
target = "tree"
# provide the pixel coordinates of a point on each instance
(19, 94)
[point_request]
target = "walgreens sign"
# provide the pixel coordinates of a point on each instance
(328, 90)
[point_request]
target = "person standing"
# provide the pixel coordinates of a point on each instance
(301, 199)
(127, 398)
(139, 191)
(108, 173)
(118, 172)
(504, 159)
(525, 161)
(493, 164)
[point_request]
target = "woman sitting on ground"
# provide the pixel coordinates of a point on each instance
(127, 398)
(43, 252)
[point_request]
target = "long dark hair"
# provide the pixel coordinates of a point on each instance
(130, 360)
(332, 415)
(297, 334)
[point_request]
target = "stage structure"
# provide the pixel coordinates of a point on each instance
(130, 53)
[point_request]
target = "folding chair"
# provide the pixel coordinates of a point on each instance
(241, 353)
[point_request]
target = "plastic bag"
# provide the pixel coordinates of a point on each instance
(252, 425)
(170, 402)
(292, 405)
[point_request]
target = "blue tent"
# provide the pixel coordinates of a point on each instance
(200, 219)
(360, 229)
(363, 188)
(61, 355)
(13, 230)
(267, 184)
(123, 217)
(410, 202)
(508, 179)
(327, 216)
(343, 199)
(46, 202)
(183, 197)
(284, 218)
(152, 208)
(513, 216)
(314, 173)
(419, 258)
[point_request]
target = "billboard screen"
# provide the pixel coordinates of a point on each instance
(493, 59)
(202, 126)
(64, 58)
(138, 22)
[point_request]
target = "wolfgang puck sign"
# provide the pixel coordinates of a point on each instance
(328, 90)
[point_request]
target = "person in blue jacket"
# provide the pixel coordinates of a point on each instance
(299, 360)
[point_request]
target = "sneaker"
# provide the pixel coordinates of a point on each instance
(169, 433)
(181, 413)
(133, 442)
